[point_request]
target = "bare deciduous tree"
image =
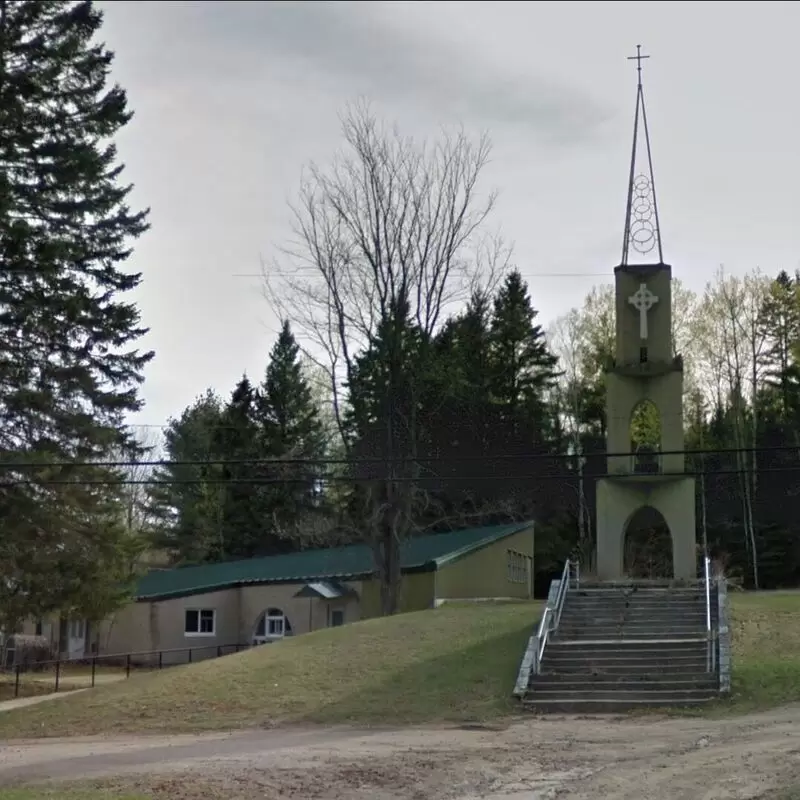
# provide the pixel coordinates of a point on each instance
(567, 338)
(732, 349)
(392, 227)
(137, 509)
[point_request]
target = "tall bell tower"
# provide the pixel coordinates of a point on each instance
(644, 368)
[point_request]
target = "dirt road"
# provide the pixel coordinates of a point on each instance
(535, 759)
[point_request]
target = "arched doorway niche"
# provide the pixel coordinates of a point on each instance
(647, 546)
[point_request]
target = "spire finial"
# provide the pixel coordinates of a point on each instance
(642, 229)
(638, 58)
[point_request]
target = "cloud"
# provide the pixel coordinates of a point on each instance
(356, 44)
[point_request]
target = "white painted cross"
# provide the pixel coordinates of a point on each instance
(643, 300)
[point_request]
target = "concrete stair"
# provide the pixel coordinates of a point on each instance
(620, 647)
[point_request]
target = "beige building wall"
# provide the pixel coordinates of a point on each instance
(304, 614)
(159, 626)
(49, 628)
(619, 500)
(490, 572)
(417, 592)
(148, 627)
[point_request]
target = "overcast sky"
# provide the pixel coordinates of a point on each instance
(232, 98)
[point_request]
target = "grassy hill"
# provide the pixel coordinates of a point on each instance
(454, 663)
(457, 663)
(765, 632)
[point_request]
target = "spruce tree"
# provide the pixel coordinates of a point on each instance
(186, 498)
(291, 429)
(70, 366)
(780, 323)
(523, 368)
(245, 520)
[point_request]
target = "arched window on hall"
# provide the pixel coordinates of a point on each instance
(272, 626)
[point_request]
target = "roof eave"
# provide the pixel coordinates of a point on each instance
(457, 555)
(221, 587)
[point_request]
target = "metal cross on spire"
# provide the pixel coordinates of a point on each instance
(642, 229)
(638, 58)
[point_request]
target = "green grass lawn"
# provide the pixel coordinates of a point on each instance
(456, 663)
(765, 633)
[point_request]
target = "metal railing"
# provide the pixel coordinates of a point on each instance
(711, 650)
(66, 674)
(552, 613)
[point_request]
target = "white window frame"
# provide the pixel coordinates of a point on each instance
(272, 618)
(201, 633)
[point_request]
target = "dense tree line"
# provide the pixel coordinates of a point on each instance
(446, 402)
(509, 424)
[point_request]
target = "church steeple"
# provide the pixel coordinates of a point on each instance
(644, 374)
(642, 229)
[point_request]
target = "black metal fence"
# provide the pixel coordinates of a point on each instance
(68, 674)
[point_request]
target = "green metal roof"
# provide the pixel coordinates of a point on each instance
(419, 554)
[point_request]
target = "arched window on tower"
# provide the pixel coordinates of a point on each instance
(645, 437)
(272, 626)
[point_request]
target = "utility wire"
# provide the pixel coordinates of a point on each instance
(322, 479)
(12, 465)
(526, 275)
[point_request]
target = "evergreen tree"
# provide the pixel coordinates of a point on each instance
(780, 321)
(70, 367)
(472, 352)
(290, 419)
(187, 509)
(237, 445)
(523, 368)
(291, 429)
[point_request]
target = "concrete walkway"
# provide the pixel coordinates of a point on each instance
(21, 702)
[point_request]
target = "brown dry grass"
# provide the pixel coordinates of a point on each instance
(39, 682)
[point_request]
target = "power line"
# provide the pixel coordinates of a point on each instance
(525, 275)
(278, 460)
(323, 479)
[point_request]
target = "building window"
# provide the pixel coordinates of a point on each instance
(517, 567)
(76, 629)
(38, 627)
(272, 625)
(642, 355)
(200, 622)
(337, 618)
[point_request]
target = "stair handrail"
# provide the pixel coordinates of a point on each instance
(710, 649)
(552, 614)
